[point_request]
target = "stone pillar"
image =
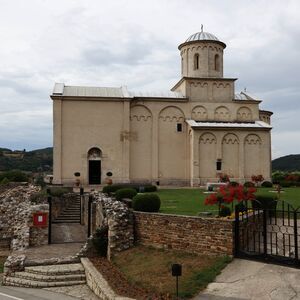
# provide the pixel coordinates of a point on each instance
(57, 141)
(126, 142)
(154, 151)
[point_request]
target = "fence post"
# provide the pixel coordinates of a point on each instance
(236, 231)
(89, 215)
(265, 231)
(296, 237)
(81, 198)
(49, 219)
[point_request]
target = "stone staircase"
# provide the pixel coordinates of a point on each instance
(70, 214)
(47, 276)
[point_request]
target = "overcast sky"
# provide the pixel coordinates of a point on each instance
(134, 43)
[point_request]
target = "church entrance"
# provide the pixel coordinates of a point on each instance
(94, 166)
(94, 171)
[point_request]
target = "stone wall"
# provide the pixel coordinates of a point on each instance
(119, 219)
(210, 236)
(16, 217)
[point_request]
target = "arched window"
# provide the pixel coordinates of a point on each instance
(217, 62)
(196, 61)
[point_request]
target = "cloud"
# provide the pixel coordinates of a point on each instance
(134, 43)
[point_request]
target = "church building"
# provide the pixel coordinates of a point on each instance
(189, 136)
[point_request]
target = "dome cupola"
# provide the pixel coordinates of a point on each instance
(202, 55)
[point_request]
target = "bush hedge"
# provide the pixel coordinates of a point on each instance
(14, 176)
(140, 188)
(125, 193)
(146, 202)
(265, 202)
(233, 183)
(59, 191)
(249, 184)
(225, 211)
(268, 184)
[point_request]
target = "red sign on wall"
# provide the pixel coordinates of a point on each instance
(40, 219)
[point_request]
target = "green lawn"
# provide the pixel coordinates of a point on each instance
(191, 201)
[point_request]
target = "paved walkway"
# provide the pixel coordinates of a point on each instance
(244, 279)
(66, 233)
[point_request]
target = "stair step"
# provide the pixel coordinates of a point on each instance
(60, 269)
(66, 221)
(14, 281)
(49, 278)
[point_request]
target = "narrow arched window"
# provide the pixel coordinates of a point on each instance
(196, 61)
(217, 62)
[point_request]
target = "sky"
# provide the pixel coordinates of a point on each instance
(134, 43)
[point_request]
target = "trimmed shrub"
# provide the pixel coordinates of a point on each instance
(268, 184)
(39, 198)
(100, 240)
(265, 202)
(148, 188)
(125, 193)
(225, 211)
(286, 184)
(233, 183)
(146, 202)
(249, 184)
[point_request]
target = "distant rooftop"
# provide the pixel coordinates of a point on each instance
(60, 89)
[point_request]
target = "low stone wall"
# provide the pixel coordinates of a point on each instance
(210, 236)
(119, 219)
(97, 282)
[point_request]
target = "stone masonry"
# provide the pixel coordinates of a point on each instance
(210, 236)
(118, 218)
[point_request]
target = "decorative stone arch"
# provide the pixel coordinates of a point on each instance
(171, 114)
(244, 114)
(196, 61)
(252, 139)
(207, 138)
(222, 114)
(252, 154)
(140, 157)
(172, 150)
(217, 62)
(230, 138)
(199, 113)
(230, 155)
(207, 156)
(94, 165)
(140, 113)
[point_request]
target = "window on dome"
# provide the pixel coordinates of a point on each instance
(196, 61)
(217, 62)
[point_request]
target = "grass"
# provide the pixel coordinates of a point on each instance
(150, 269)
(191, 201)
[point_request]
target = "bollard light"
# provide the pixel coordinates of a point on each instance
(176, 272)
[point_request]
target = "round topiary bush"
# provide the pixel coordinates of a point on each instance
(249, 184)
(150, 188)
(125, 193)
(146, 202)
(268, 184)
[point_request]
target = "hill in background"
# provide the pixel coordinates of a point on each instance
(41, 160)
(287, 163)
(32, 161)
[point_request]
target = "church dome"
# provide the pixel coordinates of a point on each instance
(202, 36)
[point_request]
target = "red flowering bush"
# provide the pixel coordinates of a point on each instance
(292, 177)
(257, 178)
(228, 194)
(224, 178)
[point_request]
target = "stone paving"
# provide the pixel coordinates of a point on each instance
(68, 233)
(244, 279)
(79, 291)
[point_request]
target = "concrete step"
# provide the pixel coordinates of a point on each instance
(66, 221)
(14, 281)
(69, 215)
(60, 269)
(49, 278)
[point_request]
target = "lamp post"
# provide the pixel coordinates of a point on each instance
(176, 272)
